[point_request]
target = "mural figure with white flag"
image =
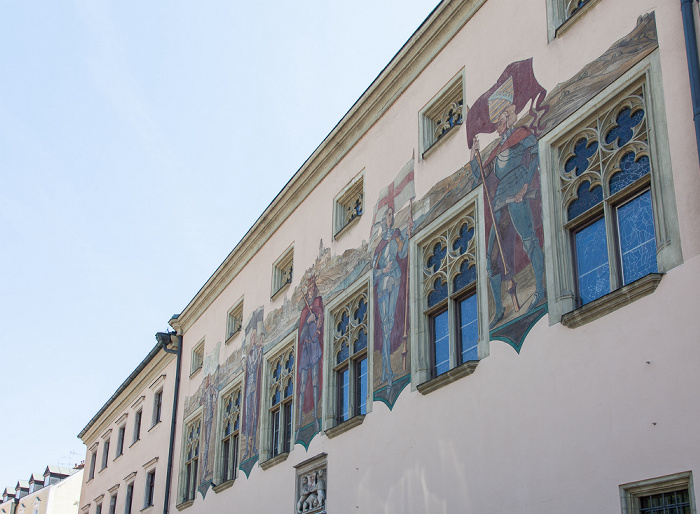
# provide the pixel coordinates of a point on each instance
(390, 274)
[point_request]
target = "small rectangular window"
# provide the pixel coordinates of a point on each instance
(98, 508)
(93, 464)
(137, 425)
(112, 504)
(282, 271)
(129, 498)
(150, 487)
(234, 323)
(349, 205)
(157, 407)
(671, 493)
(442, 116)
(105, 454)
(120, 440)
(197, 358)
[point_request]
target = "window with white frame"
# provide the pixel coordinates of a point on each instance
(148, 495)
(157, 407)
(229, 432)
(452, 315)
(443, 115)
(190, 459)
(112, 504)
(281, 401)
(349, 205)
(105, 453)
(93, 464)
(120, 440)
(234, 320)
(613, 212)
(128, 502)
(137, 425)
(197, 358)
(350, 334)
(671, 493)
(282, 271)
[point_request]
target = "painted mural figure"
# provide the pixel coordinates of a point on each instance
(515, 164)
(210, 393)
(311, 351)
(390, 269)
(255, 335)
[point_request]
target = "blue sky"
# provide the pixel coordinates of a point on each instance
(134, 154)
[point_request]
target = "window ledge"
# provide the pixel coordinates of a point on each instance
(156, 425)
(101, 470)
(274, 460)
(346, 227)
(195, 371)
(345, 426)
(447, 135)
(612, 301)
(132, 444)
(115, 458)
(279, 292)
(147, 508)
(184, 505)
(232, 337)
(448, 377)
(564, 26)
(224, 486)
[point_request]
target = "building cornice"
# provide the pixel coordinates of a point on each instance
(416, 54)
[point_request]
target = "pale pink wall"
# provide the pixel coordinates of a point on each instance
(554, 429)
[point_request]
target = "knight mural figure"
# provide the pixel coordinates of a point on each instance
(253, 382)
(311, 348)
(515, 163)
(390, 276)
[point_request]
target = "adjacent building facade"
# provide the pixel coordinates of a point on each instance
(56, 490)
(128, 441)
(476, 295)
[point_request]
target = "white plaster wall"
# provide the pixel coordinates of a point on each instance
(554, 429)
(64, 496)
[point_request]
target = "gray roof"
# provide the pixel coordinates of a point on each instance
(9, 490)
(36, 477)
(57, 470)
(22, 484)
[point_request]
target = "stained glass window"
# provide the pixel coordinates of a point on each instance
(281, 400)
(602, 181)
(450, 283)
(350, 346)
(230, 421)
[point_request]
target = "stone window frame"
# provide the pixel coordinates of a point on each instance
(184, 488)
(330, 394)
(421, 362)
(234, 321)
(105, 451)
(562, 14)
(430, 117)
(282, 272)
(138, 420)
(220, 480)
(149, 488)
(562, 298)
(93, 462)
(121, 438)
(631, 493)
(129, 497)
(349, 205)
(268, 457)
(197, 358)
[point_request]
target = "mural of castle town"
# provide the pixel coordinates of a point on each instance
(516, 110)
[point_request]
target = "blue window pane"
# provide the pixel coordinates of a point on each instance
(344, 353)
(467, 275)
(583, 151)
(587, 198)
(289, 389)
(361, 385)
(469, 328)
(631, 170)
(462, 242)
(439, 293)
(361, 311)
(361, 341)
(635, 223)
(343, 323)
(441, 333)
(592, 262)
(626, 120)
(276, 397)
(344, 395)
(435, 260)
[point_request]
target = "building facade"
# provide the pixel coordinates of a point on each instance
(128, 441)
(56, 490)
(476, 295)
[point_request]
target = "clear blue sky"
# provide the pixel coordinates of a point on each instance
(134, 154)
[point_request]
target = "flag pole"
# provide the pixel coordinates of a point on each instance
(493, 216)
